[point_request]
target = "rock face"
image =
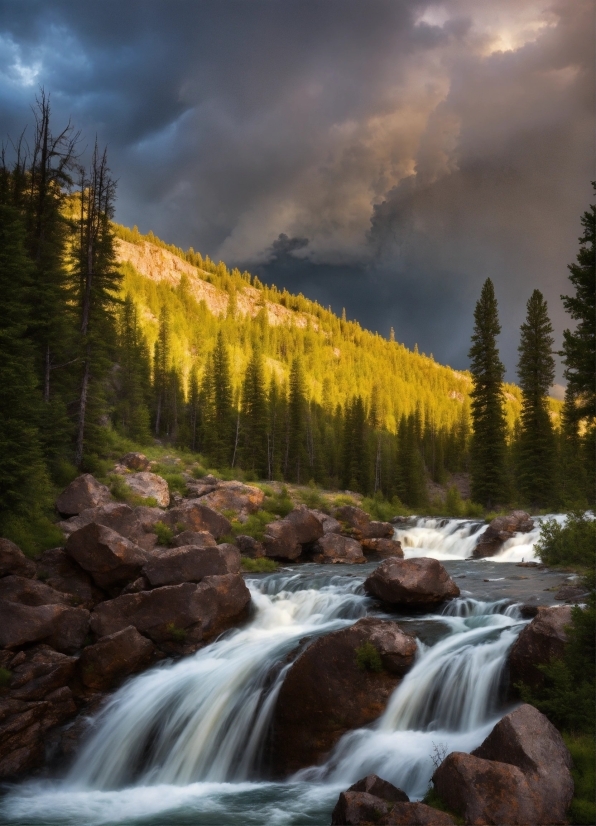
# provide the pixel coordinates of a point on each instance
(114, 657)
(373, 800)
(135, 461)
(519, 775)
(85, 492)
(500, 530)
(234, 496)
(542, 640)
(329, 690)
(415, 582)
(280, 540)
(307, 526)
(111, 559)
(136, 524)
(30, 592)
(58, 570)
(329, 523)
(332, 547)
(14, 561)
(383, 548)
(200, 539)
(193, 515)
(149, 486)
(250, 547)
(60, 626)
(355, 518)
(191, 564)
(185, 613)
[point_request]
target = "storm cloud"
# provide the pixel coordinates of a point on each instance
(376, 155)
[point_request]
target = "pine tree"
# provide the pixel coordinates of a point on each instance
(131, 410)
(161, 367)
(536, 372)
(254, 454)
(223, 423)
(488, 445)
(297, 457)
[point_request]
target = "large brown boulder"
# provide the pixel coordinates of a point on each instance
(191, 563)
(30, 592)
(415, 582)
(58, 570)
(415, 814)
(136, 524)
(104, 665)
(333, 547)
(330, 523)
(14, 561)
(308, 528)
(544, 639)
(354, 518)
(85, 492)
(111, 559)
(519, 775)
(39, 671)
(149, 486)
(135, 461)
(499, 531)
(235, 496)
(373, 800)
(186, 613)
(340, 682)
(248, 546)
(193, 515)
(200, 539)
(280, 540)
(383, 548)
(60, 626)
(379, 530)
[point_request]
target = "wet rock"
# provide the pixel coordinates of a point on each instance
(200, 539)
(235, 496)
(191, 564)
(383, 548)
(306, 525)
(84, 492)
(185, 613)
(30, 592)
(355, 518)
(571, 593)
(194, 515)
(14, 561)
(373, 800)
(114, 657)
(135, 461)
(359, 808)
(500, 530)
(375, 785)
(415, 814)
(329, 523)
(149, 486)
(333, 547)
(332, 688)
(110, 558)
(416, 582)
(58, 570)
(60, 626)
(39, 671)
(378, 530)
(250, 547)
(541, 641)
(280, 540)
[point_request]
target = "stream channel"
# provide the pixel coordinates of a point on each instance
(183, 742)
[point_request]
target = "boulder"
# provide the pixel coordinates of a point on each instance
(235, 496)
(186, 613)
(333, 547)
(571, 593)
(355, 518)
(39, 671)
(149, 486)
(378, 530)
(196, 488)
(544, 639)
(191, 563)
(136, 524)
(200, 539)
(14, 561)
(382, 548)
(499, 531)
(415, 814)
(331, 688)
(111, 559)
(329, 523)
(375, 785)
(85, 492)
(193, 515)
(248, 546)
(305, 523)
(373, 800)
(359, 808)
(135, 461)
(414, 582)
(104, 665)
(62, 627)
(58, 570)
(30, 592)
(280, 540)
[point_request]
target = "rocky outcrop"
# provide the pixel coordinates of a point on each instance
(413, 582)
(234, 496)
(85, 492)
(136, 524)
(114, 657)
(341, 681)
(329, 523)
(383, 548)
(58, 570)
(248, 546)
(111, 559)
(499, 531)
(193, 515)
(200, 539)
(25, 591)
(149, 486)
(280, 540)
(191, 564)
(360, 525)
(374, 800)
(333, 548)
(306, 525)
(541, 641)
(135, 461)
(519, 775)
(60, 626)
(14, 561)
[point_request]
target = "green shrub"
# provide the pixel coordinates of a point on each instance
(254, 526)
(583, 754)
(573, 543)
(368, 658)
(33, 534)
(453, 502)
(122, 493)
(344, 499)
(279, 504)
(380, 508)
(472, 510)
(313, 498)
(165, 535)
(5, 677)
(199, 471)
(431, 798)
(258, 566)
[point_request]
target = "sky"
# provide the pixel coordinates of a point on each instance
(386, 156)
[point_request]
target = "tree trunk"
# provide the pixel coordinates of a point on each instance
(82, 412)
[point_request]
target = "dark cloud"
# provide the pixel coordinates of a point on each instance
(419, 147)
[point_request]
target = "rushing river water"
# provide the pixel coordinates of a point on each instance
(183, 743)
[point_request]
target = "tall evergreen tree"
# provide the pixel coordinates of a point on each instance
(223, 423)
(297, 457)
(254, 454)
(131, 405)
(536, 372)
(488, 445)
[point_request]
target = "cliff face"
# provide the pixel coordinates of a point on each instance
(160, 264)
